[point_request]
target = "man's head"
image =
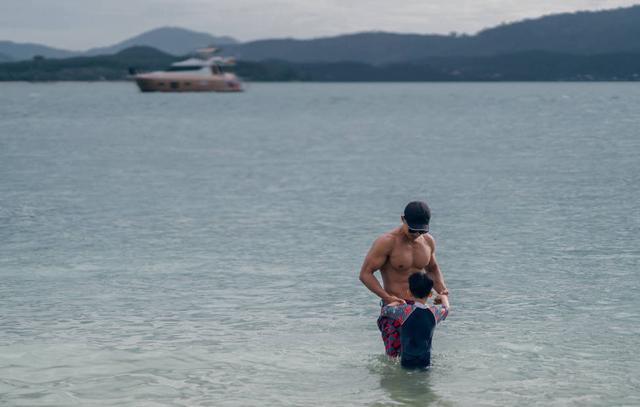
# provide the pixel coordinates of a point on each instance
(416, 218)
(420, 284)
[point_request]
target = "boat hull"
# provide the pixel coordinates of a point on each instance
(147, 84)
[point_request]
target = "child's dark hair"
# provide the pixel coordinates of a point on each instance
(420, 284)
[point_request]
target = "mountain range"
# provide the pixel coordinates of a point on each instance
(171, 40)
(585, 33)
(12, 51)
(580, 33)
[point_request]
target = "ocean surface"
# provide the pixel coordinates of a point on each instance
(204, 249)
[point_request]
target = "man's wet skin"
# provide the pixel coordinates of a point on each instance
(398, 254)
(409, 253)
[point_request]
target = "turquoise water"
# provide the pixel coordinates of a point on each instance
(203, 250)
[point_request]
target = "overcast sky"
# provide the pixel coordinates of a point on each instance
(82, 24)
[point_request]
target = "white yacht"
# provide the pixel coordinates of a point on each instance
(204, 74)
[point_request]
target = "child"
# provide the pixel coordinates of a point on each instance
(417, 321)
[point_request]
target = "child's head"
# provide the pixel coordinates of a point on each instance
(420, 284)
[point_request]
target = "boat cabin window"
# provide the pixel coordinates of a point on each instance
(174, 85)
(183, 68)
(216, 70)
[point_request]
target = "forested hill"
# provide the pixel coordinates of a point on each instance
(589, 32)
(584, 46)
(580, 33)
(101, 67)
(524, 66)
(595, 32)
(171, 40)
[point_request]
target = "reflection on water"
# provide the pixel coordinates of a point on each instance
(404, 387)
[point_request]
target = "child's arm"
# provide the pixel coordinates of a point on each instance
(440, 312)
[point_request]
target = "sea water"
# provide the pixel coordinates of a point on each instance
(204, 249)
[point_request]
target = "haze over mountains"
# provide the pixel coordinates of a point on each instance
(597, 32)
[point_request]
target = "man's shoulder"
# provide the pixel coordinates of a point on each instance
(429, 240)
(386, 239)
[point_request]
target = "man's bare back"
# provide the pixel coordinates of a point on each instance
(397, 254)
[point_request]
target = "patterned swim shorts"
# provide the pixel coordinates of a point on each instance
(390, 332)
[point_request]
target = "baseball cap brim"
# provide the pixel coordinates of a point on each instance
(423, 227)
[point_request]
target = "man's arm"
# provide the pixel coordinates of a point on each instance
(375, 259)
(433, 270)
(442, 300)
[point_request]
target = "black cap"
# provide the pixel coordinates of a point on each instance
(417, 215)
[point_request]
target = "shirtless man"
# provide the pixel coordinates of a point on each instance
(398, 254)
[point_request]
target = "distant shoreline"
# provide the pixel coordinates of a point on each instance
(533, 66)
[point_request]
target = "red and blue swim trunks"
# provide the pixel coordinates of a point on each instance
(390, 332)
